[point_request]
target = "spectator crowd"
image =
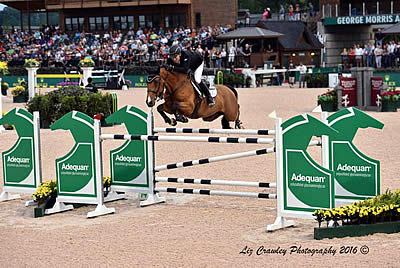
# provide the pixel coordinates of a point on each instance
(376, 54)
(52, 47)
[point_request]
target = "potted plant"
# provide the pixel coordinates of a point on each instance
(390, 101)
(19, 94)
(86, 62)
(46, 195)
(30, 63)
(328, 101)
(3, 68)
(4, 87)
(377, 215)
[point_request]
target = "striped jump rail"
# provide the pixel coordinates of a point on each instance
(214, 159)
(187, 138)
(217, 182)
(214, 192)
(215, 131)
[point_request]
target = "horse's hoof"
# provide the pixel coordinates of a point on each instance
(173, 122)
(185, 120)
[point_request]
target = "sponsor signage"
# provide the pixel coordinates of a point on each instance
(363, 20)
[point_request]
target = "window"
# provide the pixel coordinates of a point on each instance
(198, 20)
(124, 22)
(149, 21)
(74, 23)
(99, 23)
(176, 20)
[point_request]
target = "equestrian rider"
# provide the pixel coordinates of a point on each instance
(184, 61)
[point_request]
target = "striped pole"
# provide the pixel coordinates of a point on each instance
(215, 131)
(217, 182)
(214, 159)
(215, 192)
(187, 138)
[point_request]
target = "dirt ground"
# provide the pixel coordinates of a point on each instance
(189, 230)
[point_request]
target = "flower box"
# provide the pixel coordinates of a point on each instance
(389, 106)
(356, 230)
(19, 99)
(327, 106)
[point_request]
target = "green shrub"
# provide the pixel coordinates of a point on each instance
(53, 105)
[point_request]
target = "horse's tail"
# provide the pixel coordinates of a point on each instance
(233, 90)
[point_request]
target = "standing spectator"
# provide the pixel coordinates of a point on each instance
(379, 37)
(292, 74)
(246, 53)
(345, 58)
(358, 52)
(223, 57)
(298, 12)
(247, 18)
(265, 14)
(282, 13)
(291, 12)
(310, 10)
(232, 54)
(370, 55)
(213, 58)
(397, 53)
(303, 69)
(378, 56)
(391, 48)
(207, 57)
(218, 59)
(351, 56)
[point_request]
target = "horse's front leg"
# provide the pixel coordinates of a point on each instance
(179, 117)
(161, 108)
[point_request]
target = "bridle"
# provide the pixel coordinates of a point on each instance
(158, 92)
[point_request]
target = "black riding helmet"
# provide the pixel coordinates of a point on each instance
(174, 51)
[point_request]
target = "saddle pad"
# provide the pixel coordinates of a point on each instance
(213, 91)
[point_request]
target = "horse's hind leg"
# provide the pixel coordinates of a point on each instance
(225, 123)
(238, 123)
(171, 121)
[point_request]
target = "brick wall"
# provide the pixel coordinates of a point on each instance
(215, 11)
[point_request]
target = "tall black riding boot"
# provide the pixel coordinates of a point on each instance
(206, 92)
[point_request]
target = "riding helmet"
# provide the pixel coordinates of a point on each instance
(175, 50)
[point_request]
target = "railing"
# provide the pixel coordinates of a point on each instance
(361, 9)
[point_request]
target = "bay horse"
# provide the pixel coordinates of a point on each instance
(181, 100)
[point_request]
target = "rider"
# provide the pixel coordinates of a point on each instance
(184, 61)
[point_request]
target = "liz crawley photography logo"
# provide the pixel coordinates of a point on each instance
(307, 251)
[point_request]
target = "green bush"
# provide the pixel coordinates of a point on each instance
(53, 105)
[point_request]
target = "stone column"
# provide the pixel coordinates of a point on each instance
(87, 72)
(368, 73)
(357, 72)
(32, 81)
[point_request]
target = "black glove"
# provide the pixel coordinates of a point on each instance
(170, 68)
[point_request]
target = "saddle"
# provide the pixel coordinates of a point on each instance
(196, 87)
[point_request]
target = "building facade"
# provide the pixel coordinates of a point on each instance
(101, 16)
(345, 23)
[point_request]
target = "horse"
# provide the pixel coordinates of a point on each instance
(181, 100)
